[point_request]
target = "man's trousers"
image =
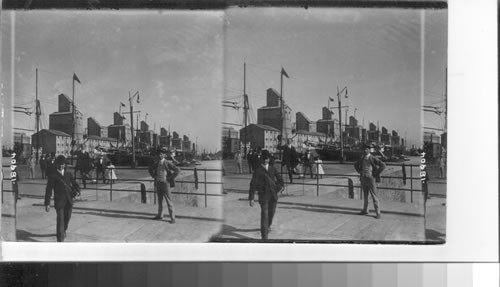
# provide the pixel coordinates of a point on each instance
(267, 210)
(369, 187)
(63, 217)
(164, 193)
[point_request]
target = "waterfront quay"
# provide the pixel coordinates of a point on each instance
(307, 212)
(117, 212)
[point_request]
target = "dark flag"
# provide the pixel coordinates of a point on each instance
(283, 72)
(75, 78)
(38, 109)
(331, 99)
(346, 93)
(123, 105)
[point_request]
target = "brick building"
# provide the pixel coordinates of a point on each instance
(54, 141)
(262, 136)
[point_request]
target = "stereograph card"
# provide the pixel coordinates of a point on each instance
(301, 133)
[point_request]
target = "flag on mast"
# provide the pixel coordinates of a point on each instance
(75, 78)
(283, 72)
(331, 99)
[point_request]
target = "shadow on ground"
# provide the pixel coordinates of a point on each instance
(232, 231)
(433, 235)
(23, 235)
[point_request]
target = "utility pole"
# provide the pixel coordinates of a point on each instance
(282, 107)
(37, 114)
(245, 108)
(446, 103)
(340, 123)
(130, 98)
(340, 129)
(73, 115)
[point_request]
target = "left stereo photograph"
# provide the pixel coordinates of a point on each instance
(111, 126)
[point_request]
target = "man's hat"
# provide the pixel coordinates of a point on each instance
(60, 159)
(265, 155)
(164, 150)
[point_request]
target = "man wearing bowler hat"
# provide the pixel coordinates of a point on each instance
(63, 184)
(369, 169)
(267, 182)
(164, 171)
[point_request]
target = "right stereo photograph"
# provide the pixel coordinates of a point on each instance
(335, 125)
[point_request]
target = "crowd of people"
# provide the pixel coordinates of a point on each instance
(88, 167)
(293, 162)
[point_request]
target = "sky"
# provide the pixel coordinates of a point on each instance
(376, 53)
(173, 58)
(183, 63)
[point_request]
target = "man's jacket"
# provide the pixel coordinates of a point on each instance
(166, 173)
(377, 166)
(266, 182)
(289, 155)
(61, 185)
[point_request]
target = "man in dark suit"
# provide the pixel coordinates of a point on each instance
(267, 182)
(100, 166)
(289, 158)
(369, 169)
(43, 165)
(62, 183)
(83, 163)
(249, 157)
(308, 162)
(50, 164)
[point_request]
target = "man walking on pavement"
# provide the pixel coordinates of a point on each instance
(83, 163)
(267, 182)
(100, 166)
(369, 169)
(65, 188)
(164, 171)
(289, 157)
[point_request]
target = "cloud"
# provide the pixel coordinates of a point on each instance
(176, 98)
(186, 108)
(160, 89)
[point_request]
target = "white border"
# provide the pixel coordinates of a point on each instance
(472, 229)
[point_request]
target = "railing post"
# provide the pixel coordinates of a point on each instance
(303, 182)
(155, 189)
(205, 187)
(111, 189)
(195, 178)
(350, 191)
(317, 179)
(143, 192)
(411, 183)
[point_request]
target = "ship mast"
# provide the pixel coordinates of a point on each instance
(37, 114)
(245, 108)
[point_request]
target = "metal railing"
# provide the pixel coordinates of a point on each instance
(349, 177)
(109, 187)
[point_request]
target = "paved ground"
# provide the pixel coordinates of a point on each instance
(125, 219)
(102, 221)
(302, 216)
